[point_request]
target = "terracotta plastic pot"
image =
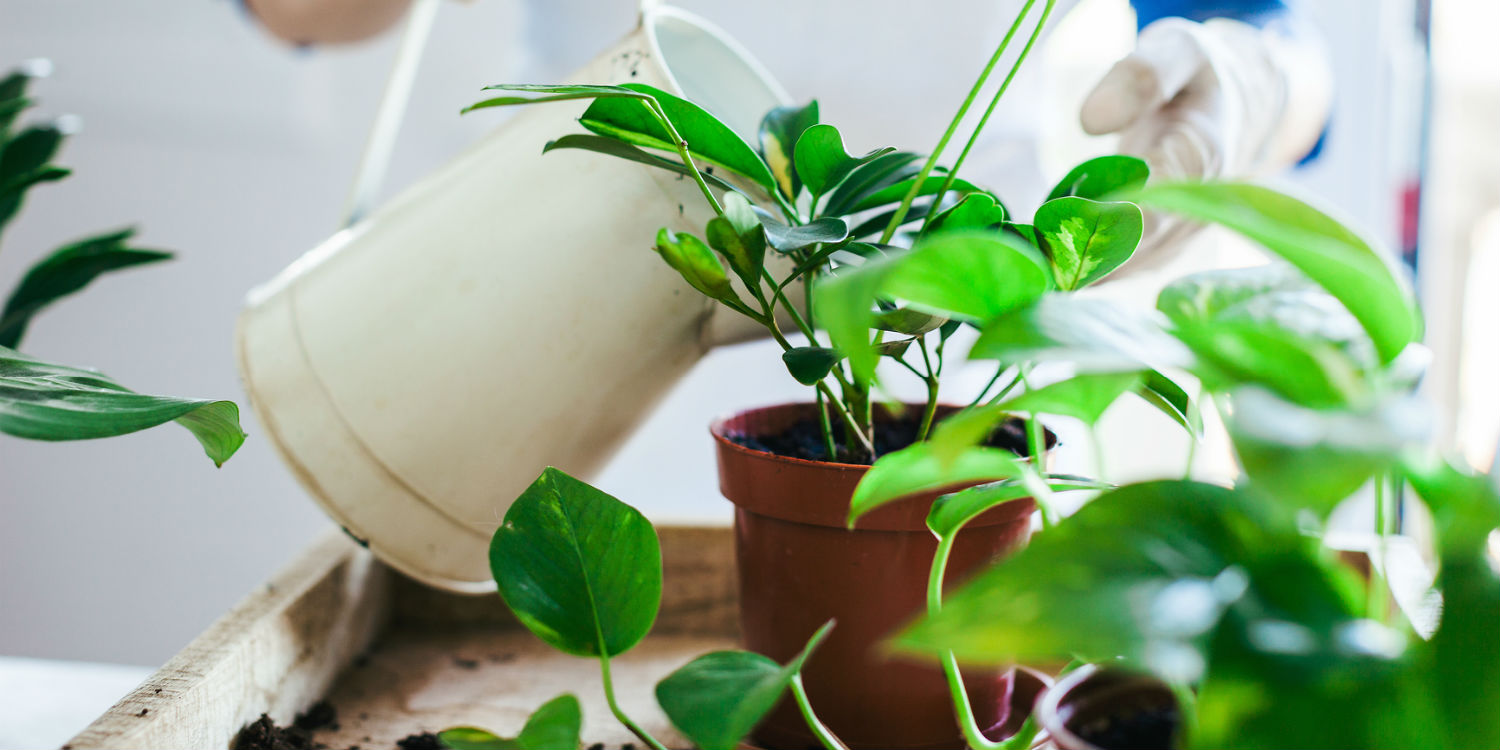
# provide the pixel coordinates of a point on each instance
(1109, 709)
(799, 566)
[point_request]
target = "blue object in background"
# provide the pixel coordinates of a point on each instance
(1250, 11)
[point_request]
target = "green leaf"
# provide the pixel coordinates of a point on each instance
(739, 236)
(1084, 397)
(953, 511)
(620, 149)
(779, 131)
(1094, 335)
(1153, 573)
(809, 364)
(44, 401)
(557, 725)
(13, 99)
(975, 211)
(790, 239)
(1170, 399)
(708, 139)
(1086, 240)
(1236, 353)
(1314, 458)
(875, 225)
(822, 162)
(866, 179)
(907, 321)
(1101, 178)
(579, 568)
(1332, 255)
(917, 469)
(976, 276)
(65, 271)
(896, 192)
(24, 157)
(550, 93)
(696, 262)
(718, 698)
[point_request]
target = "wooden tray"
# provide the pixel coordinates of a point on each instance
(395, 658)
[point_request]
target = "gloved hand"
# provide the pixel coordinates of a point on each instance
(1220, 99)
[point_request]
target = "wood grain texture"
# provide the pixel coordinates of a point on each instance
(276, 652)
(395, 657)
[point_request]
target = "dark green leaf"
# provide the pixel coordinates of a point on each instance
(1099, 179)
(875, 225)
(809, 364)
(44, 401)
(1333, 256)
(718, 698)
(739, 236)
(696, 262)
(822, 162)
(779, 131)
(1093, 334)
(579, 568)
(557, 725)
(617, 148)
(1026, 232)
(906, 321)
(1086, 240)
(12, 99)
(788, 239)
(549, 93)
(25, 156)
(708, 139)
(917, 469)
(975, 211)
(953, 511)
(65, 271)
(868, 178)
(896, 192)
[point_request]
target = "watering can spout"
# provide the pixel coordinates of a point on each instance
(418, 370)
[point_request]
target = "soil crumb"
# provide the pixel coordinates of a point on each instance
(263, 734)
(804, 439)
(423, 741)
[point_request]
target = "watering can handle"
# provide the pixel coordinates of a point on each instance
(381, 142)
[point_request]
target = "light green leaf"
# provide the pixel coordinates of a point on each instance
(1102, 178)
(1236, 353)
(1332, 255)
(1086, 240)
(44, 401)
(718, 698)
(976, 211)
(557, 725)
(1094, 335)
(1170, 399)
(1084, 397)
(953, 511)
(739, 236)
(696, 262)
(917, 469)
(580, 569)
(65, 271)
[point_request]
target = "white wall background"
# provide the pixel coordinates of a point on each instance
(236, 152)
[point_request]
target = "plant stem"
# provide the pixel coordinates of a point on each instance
(614, 707)
(843, 411)
(824, 736)
(826, 426)
(1378, 599)
(899, 218)
(985, 118)
(687, 159)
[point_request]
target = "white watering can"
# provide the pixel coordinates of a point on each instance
(418, 369)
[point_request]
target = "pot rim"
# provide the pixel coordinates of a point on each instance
(716, 428)
(1049, 706)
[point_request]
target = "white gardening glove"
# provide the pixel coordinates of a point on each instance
(1220, 99)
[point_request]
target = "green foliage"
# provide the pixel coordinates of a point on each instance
(716, 699)
(557, 725)
(919, 468)
(579, 568)
(696, 262)
(1086, 240)
(45, 401)
(779, 131)
(1103, 178)
(952, 511)
(622, 150)
(739, 236)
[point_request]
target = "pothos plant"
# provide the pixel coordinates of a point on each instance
(797, 210)
(42, 400)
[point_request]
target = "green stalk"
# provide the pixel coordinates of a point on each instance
(929, 411)
(682, 150)
(844, 411)
(1378, 597)
(614, 707)
(898, 218)
(828, 740)
(1004, 86)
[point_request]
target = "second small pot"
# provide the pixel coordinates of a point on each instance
(799, 566)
